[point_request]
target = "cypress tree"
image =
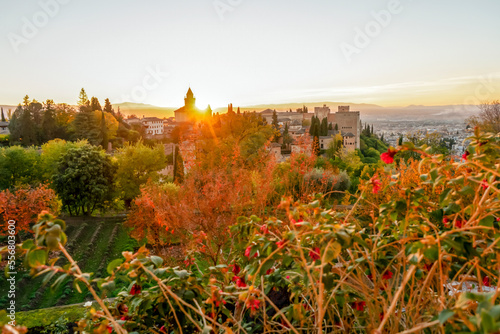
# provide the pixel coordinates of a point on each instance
(324, 127)
(3, 116)
(104, 132)
(178, 167)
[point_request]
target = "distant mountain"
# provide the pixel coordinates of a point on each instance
(368, 111)
(141, 109)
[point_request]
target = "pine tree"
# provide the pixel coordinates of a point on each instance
(83, 99)
(28, 126)
(239, 112)
(3, 116)
(94, 104)
(330, 127)
(371, 132)
(336, 127)
(49, 122)
(108, 107)
(400, 141)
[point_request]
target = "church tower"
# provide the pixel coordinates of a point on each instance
(190, 100)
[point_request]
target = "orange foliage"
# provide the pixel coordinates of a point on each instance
(24, 205)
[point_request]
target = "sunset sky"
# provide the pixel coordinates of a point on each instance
(426, 52)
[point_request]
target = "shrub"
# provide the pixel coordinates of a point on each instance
(423, 260)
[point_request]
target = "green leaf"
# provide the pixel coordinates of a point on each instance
(181, 273)
(443, 195)
(28, 244)
(332, 252)
(432, 253)
(158, 261)
(266, 266)
(434, 174)
(37, 257)
(487, 321)
(487, 221)
(113, 265)
(467, 190)
(445, 315)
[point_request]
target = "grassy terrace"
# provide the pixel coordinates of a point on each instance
(93, 242)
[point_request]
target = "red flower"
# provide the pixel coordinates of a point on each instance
(136, 289)
(280, 243)
(446, 221)
(315, 254)
(388, 157)
(264, 229)
(253, 304)
(359, 306)
(486, 281)
(485, 184)
(387, 275)
(236, 269)
(269, 271)
(240, 281)
(465, 155)
(248, 250)
(162, 329)
(459, 224)
(376, 184)
(110, 329)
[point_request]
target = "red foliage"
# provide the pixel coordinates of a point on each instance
(376, 184)
(24, 205)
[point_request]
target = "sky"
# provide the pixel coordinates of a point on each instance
(245, 52)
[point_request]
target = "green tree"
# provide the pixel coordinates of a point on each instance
(178, 167)
(51, 154)
(334, 147)
(86, 126)
(84, 180)
(49, 123)
(19, 166)
(324, 127)
(276, 127)
(136, 165)
(287, 139)
(104, 132)
(3, 116)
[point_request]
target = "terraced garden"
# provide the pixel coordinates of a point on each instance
(93, 242)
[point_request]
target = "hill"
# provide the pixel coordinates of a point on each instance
(141, 109)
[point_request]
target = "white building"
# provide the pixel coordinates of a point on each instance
(153, 125)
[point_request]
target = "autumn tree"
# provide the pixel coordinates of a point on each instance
(24, 204)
